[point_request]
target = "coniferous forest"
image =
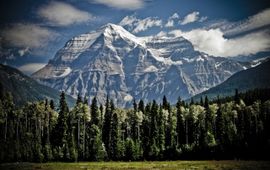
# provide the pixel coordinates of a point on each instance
(233, 128)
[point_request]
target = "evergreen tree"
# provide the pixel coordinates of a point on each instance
(79, 99)
(154, 151)
(72, 149)
(146, 133)
(101, 109)
(115, 150)
(170, 138)
(161, 131)
(134, 123)
(107, 125)
(224, 129)
(141, 106)
(220, 131)
(85, 100)
(52, 105)
(95, 116)
(201, 101)
(236, 97)
(180, 127)
(191, 101)
(60, 130)
(208, 118)
(165, 104)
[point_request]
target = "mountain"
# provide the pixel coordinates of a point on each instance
(25, 89)
(256, 77)
(111, 61)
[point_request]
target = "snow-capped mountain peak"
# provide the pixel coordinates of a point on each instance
(112, 61)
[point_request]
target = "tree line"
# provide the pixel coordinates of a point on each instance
(236, 128)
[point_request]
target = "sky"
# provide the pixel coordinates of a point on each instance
(32, 31)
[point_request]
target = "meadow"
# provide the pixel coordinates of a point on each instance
(162, 165)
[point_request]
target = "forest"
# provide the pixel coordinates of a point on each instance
(237, 127)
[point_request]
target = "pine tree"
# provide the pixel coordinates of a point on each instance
(79, 99)
(236, 97)
(134, 123)
(208, 120)
(220, 131)
(85, 100)
(201, 101)
(60, 130)
(146, 131)
(166, 104)
(107, 125)
(180, 127)
(191, 101)
(154, 151)
(95, 117)
(52, 105)
(115, 150)
(161, 131)
(141, 106)
(170, 138)
(101, 109)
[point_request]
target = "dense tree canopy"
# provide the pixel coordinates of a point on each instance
(231, 128)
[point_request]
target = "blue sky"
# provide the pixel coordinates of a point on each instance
(31, 31)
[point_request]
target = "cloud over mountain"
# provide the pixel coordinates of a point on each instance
(63, 14)
(122, 4)
(253, 22)
(192, 17)
(213, 42)
(172, 19)
(136, 25)
(27, 35)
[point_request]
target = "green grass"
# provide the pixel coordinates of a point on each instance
(170, 165)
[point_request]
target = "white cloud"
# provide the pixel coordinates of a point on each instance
(31, 68)
(129, 21)
(174, 16)
(171, 20)
(170, 23)
(202, 19)
(214, 43)
(23, 51)
(147, 23)
(122, 4)
(176, 33)
(27, 36)
(136, 25)
(62, 14)
(192, 17)
(253, 22)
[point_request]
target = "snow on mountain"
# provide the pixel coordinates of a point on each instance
(111, 61)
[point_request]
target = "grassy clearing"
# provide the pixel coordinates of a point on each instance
(170, 165)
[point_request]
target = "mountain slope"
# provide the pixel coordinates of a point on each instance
(111, 61)
(256, 77)
(25, 89)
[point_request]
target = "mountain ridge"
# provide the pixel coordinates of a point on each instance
(256, 77)
(112, 62)
(25, 89)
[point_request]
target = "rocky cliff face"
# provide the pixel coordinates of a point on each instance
(111, 61)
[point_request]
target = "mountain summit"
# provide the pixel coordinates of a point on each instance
(113, 62)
